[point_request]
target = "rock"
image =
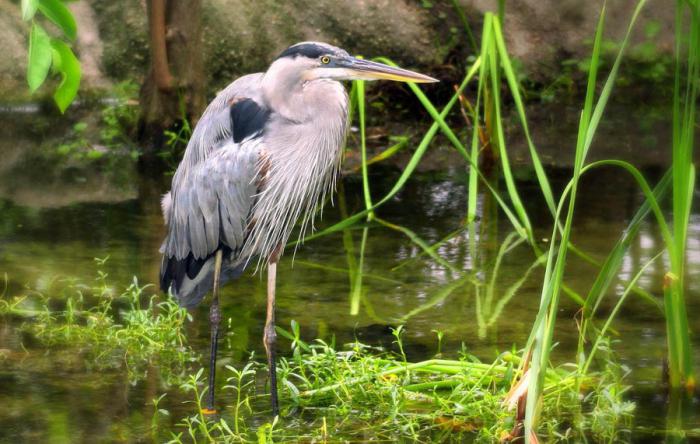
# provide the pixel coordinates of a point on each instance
(251, 34)
(13, 63)
(242, 36)
(123, 28)
(89, 46)
(543, 33)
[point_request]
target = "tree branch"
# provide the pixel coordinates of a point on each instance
(159, 51)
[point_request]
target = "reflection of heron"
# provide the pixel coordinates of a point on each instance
(264, 154)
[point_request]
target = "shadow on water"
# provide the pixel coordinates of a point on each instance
(479, 287)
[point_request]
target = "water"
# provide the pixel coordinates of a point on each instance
(58, 216)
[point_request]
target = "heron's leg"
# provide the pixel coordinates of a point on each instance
(270, 336)
(214, 321)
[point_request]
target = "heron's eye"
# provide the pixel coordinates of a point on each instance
(325, 60)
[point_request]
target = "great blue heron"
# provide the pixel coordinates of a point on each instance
(264, 154)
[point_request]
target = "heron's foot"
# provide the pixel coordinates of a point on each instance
(209, 411)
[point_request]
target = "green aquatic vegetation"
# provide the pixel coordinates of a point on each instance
(465, 25)
(685, 95)
(539, 344)
(120, 116)
(110, 136)
(177, 138)
(491, 302)
(131, 330)
(494, 66)
(647, 62)
(358, 391)
(682, 178)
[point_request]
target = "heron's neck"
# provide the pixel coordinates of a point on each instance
(303, 150)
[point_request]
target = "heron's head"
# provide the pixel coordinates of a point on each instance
(308, 61)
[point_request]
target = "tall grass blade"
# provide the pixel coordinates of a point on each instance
(356, 292)
(360, 95)
(421, 243)
(615, 310)
(613, 261)
(500, 134)
(465, 24)
(511, 78)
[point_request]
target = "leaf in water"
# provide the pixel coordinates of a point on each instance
(39, 57)
(68, 66)
(58, 13)
(28, 9)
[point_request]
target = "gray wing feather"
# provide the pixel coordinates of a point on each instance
(215, 184)
(212, 205)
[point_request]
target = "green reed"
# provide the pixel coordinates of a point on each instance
(681, 177)
(685, 94)
(495, 63)
(540, 342)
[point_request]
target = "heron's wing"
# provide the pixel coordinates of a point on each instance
(214, 182)
(212, 203)
(213, 191)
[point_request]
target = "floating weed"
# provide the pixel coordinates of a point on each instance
(128, 330)
(610, 406)
(357, 392)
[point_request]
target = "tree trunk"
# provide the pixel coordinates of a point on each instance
(173, 90)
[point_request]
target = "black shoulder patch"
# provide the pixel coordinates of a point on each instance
(310, 50)
(248, 119)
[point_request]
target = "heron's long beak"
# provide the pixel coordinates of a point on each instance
(367, 70)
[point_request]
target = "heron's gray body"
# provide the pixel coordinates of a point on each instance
(244, 193)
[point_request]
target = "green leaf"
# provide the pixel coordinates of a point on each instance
(68, 66)
(58, 13)
(28, 9)
(39, 57)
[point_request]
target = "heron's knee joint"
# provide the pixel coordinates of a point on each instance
(215, 316)
(270, 335)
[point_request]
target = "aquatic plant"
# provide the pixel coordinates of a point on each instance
(685, 95)
(358, 391)
(129, 330)
(492, 65)
(176, 138)
(681, 177)
(110, 137)
(441, 398)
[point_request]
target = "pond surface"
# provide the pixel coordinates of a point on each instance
(57, 216)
